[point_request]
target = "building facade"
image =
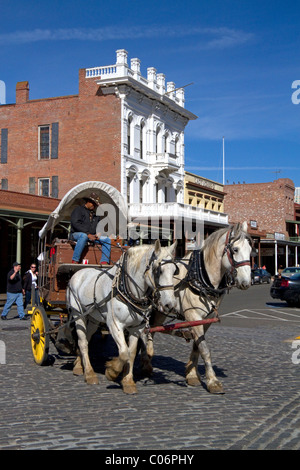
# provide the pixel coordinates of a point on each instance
(269, 209)
(121, 128)
(207, 197)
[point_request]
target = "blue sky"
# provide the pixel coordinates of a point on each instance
(242, 57)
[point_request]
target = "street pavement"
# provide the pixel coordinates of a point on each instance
(254, 352)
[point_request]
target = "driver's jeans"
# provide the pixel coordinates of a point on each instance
(81, 240)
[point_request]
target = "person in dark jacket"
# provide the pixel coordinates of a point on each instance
(84, 223)
(14, 292)
(30, 278)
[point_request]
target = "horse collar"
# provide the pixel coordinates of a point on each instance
(198, 279)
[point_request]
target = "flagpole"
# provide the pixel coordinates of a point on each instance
(223, 163)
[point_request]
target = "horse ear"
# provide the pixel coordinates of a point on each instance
(173, 248)
(245, 226)
(157, 247)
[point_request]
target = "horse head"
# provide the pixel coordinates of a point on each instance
(236, 255)
(160, 270)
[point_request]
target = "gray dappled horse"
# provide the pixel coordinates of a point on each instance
(93, 298)
(200, 286)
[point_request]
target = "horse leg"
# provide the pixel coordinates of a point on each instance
(77, 365)
(213, 384)
(200, 346)
(147, 345)
(89, 374)
(147, 353)
(128, 383)
(192, 375)
(115, 366)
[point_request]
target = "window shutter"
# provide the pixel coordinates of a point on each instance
(54, 186)
(4, 183)
(4, 138)
(54, 140)
(32, 185)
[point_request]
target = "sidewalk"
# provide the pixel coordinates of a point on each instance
(2, 300)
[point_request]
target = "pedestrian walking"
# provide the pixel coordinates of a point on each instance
(30, 280)
(14, 292)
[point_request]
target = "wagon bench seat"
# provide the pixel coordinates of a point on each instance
(60, 268)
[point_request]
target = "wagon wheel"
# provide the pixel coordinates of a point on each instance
(39, 335)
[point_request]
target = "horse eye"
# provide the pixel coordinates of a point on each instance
(235, 250)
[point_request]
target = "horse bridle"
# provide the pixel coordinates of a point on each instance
(142, 305)
(228, 249)
(157, 272)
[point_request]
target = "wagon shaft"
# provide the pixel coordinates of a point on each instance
(185, 324)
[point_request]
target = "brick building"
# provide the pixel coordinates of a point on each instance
(121, 128)
(50, 145)
(269, 210)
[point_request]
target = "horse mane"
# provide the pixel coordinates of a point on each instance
(136, 254)
(212, 241)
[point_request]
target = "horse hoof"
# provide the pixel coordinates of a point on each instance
(216, 388)
(78, 371)
(92, 380)
(111, 375)
(193, 381)
(129, 389)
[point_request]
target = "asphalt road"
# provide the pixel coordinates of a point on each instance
(254, 354)
(256, 308)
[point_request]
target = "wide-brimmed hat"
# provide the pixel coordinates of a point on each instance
(93, 197)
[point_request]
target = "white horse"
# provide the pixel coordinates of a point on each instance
(200, 285)
(120, 297)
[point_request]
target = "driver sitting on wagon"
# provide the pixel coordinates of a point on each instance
(84, 222)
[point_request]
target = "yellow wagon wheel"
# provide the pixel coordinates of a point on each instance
(39, 335)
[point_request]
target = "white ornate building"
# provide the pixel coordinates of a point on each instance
(153, 120)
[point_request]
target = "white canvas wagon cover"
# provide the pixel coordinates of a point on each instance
(108, 195)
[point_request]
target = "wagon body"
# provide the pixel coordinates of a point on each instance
(56, 269)
(55, 260)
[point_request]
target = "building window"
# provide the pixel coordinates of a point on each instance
(141, 191)
(142, 139)
(128, 189)
(44, 142)
(4, 183)
(129, 122)
(165, 143)
(176, 147)
(158, 140)
(44, 187)
(3, 146)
